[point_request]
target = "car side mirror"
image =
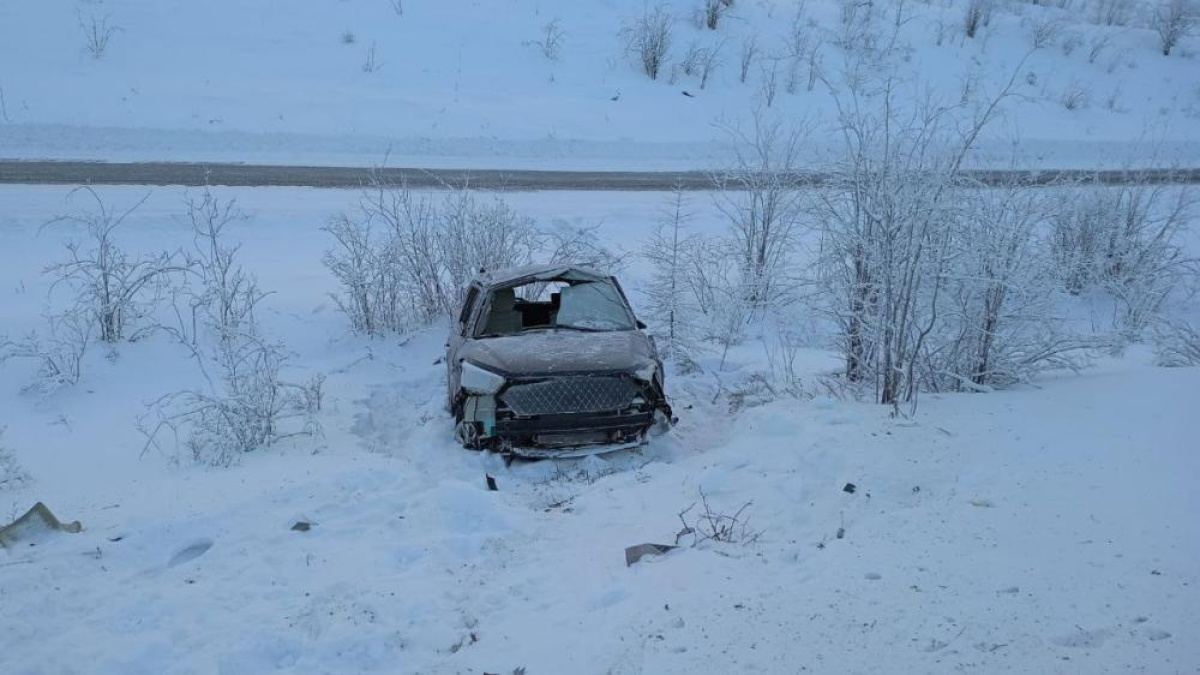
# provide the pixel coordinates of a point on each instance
(642, 325)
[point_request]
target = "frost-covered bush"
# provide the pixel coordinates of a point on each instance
(11, 474)
(1123, 240)
(1172, 20)
(246, 405)
(116, 289)
(1177, 343)
(59, 353)
(403, 258)
(761, 199)
(648, 39)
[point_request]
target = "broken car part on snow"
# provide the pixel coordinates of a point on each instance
(550, 361)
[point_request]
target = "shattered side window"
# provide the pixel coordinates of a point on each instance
(593, 305)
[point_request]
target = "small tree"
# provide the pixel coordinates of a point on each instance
(666, 293)
(1172, 21)
(648, 39)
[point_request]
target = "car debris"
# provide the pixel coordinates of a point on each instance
(636, 553)
(36, 522)
(550, 361)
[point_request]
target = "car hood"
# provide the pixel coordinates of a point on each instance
(546, 352)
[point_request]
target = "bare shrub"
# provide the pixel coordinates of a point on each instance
(246, 405)
(700, 61)
(12, 476)
(348, 37)
(1111, 12)
(708, 524)
(403, 259)
(978, 13)
(889, 217)
(1097, 46)
(397, 6)
(996, 325)
(648, 39)
(1044, 31)
(1176, 344)
(768, 84)
(59, 354)
(713, 11)
(748, 54)
(1172, 20)
(759, 196)
(1070, 42)
(248, 408)
(371, 62)
(115, 289)
(97, 32)
(551, 41)
(1076, 96)
(1125, 241)
(227, 293)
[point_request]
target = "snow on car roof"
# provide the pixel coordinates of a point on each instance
(513, 276)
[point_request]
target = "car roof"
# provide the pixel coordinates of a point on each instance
(524, 274)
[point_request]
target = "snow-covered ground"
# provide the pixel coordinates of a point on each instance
(464, 83)
(1046, 528)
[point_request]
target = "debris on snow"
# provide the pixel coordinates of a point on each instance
(635, 553)
(37, 521)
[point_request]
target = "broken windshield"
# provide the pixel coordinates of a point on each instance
(585, 305)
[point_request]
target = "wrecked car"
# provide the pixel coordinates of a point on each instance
(549, 360)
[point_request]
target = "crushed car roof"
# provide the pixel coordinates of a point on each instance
(515, 276)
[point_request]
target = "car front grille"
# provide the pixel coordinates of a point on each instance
(570, 394)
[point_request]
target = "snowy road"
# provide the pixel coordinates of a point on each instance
(43, 172)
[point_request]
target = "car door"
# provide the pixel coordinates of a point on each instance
(459, 332)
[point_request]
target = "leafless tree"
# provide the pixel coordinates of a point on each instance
(648, 39)
(1172, 20)
(887, 236)
(1176, 344)
(667, 297)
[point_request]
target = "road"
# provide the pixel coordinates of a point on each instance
(40, 172)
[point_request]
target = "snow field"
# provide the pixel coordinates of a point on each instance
(1041, 529)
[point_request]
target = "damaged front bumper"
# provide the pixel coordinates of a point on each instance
(566, 415)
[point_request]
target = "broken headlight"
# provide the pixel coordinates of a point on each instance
(479, 380)
(646, 373)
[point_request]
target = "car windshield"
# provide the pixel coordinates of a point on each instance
(584, 305)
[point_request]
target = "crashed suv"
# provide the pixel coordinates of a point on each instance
(549, 360)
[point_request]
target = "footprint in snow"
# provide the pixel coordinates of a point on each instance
(190, 552)
(1083, 638)
(1156, 635)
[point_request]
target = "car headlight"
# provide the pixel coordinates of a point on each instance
(479, 381)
